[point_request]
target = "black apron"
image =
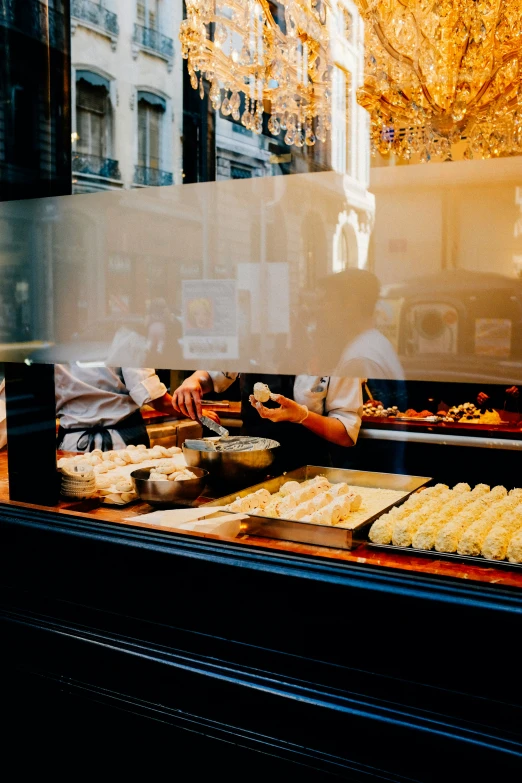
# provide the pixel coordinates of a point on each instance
(299, 446)
(132, 431)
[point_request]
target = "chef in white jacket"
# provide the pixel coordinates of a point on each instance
(309, 415)
(99, 407)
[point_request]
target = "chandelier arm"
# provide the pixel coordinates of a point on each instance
(403, 58)
(485, 87)
(244, 72)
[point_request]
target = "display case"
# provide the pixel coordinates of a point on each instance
(365, 629)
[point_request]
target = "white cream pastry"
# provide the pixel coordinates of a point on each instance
(514, 550)
(289, 487)
(497, 540)
(382, 529)
(262, 392)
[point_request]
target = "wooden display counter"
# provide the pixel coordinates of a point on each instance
(249, 653)
(94, 510)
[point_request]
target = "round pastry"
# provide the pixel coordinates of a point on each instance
(141, 447)
(107, 456)
(301, 511)
(124, 485)
(155, 476)
(102, 468)
(288, 487)
(263, 497)
(128, 497)
(114, 498)
(174, 450)
(131, 446)
(339, 489)
(119, 462)
(97, 453)
(137, 457)
(78, 471)
(164, 452)
(382, 528)
(282, 508)
(322, 500)
(103, 482)
(167, 469)
(462, 487)
(320, 517)
(125, 456)
(261, 392)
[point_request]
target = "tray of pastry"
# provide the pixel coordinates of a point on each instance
(482, 525)
(476, 560)
(319, 505)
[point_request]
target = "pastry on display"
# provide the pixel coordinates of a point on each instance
(317, 501)
(467, 413)
(471, 522)
(110, 472)
(262, 392)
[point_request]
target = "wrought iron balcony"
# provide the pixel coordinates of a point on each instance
(143, 175)
(95, 166)
(34, 19)
(154, 41)
(96, 15)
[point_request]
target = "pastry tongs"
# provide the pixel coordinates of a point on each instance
(217, 428)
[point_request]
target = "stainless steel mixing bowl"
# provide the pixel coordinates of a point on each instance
(168, 493)
(237, 467)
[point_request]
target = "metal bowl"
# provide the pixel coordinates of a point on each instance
(168, 493)
(231, 466)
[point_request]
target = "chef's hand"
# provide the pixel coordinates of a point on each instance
(482, 398)
(513, 391)
(289, 410)
(212, 415)
(187, 398)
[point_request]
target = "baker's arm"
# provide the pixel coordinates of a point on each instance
(328, 427)
(187, 397)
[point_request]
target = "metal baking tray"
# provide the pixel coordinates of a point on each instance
(323, 535)
(476, 560)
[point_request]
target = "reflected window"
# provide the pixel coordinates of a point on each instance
(342, 120)
(93, 116)
(148, 13)
(238, 172)
(151, 166)
(92, 158)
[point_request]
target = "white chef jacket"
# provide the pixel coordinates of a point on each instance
(86, 396)
(340, 398)
(370, 355)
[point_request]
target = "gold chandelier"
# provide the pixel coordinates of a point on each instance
(252, 57)
(442, 71)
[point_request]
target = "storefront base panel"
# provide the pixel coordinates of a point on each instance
(246, 661)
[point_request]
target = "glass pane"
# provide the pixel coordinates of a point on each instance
(155, 118)
(142, 134)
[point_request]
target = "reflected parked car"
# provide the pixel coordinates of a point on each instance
(456, 326)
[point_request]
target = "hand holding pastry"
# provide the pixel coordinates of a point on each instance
(289, 411)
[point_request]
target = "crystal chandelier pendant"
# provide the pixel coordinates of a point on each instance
(279, 63)
(450, 68)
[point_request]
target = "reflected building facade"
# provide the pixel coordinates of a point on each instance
(127, 106)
